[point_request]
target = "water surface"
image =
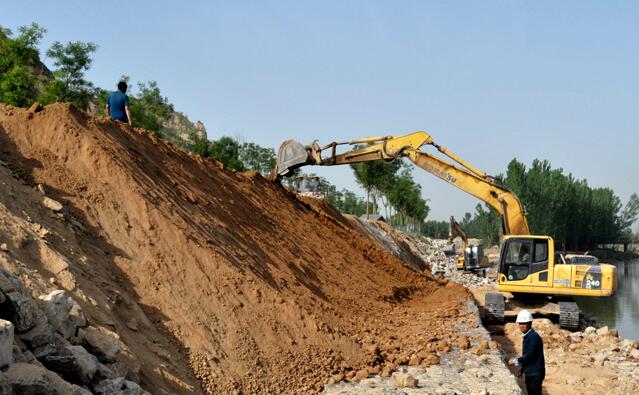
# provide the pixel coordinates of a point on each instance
(621, 310)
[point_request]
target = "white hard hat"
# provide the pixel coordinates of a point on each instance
(524, 316)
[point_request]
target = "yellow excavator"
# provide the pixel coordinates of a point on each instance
(471, 258)
(529, 266)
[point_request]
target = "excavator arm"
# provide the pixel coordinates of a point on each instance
(293, 155)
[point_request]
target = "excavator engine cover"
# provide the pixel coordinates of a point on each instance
(290, 156)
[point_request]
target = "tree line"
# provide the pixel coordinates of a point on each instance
(576, 215)
(390, 185)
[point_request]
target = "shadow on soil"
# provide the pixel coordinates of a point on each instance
(104, 282)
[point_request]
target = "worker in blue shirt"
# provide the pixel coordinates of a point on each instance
(532, 359)
(117, 105)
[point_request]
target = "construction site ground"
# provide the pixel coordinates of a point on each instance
(215, 281)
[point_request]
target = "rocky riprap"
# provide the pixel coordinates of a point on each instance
(474, 366)
(46, 346)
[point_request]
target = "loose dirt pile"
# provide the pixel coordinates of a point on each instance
(215, 281)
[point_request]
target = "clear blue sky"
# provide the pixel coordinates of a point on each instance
(490, 80)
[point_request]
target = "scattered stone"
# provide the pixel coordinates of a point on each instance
(4, 247)
(414, 360)
(23, 311)
(361, 375)
(51, 204)
(40, 188)
(336, 379)
(430, 359)
(373, 370)
(102, 343)
(64, 313)
(119, 386)
(132, 324)
(6, 344)
(590, 330)
(72, 362)
(575, 337)
(634, 354)
(404, 380)
(463, 343)
(603, 331)
(35, 107)
(33, 379)
(66, 279)
(388, 370)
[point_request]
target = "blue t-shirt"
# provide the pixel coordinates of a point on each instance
(117, 101)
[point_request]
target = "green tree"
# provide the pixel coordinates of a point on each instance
(19, 58)
(226, 150)
(72, 61)
(375, 176)
(149, 109)
(629, 216)
(435, 229)
(255, 157)
(405, 197)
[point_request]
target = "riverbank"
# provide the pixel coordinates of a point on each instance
(583, 362)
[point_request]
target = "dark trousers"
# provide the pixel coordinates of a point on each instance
(533, 384)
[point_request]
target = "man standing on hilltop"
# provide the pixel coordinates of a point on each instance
(117, 105)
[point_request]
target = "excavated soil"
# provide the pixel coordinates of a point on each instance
(217, 281)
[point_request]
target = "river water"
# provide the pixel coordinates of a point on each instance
(621, 310)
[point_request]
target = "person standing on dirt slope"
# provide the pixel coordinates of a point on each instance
(532, 359)
(117, 105)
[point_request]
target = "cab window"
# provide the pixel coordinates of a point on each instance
(518, 259)
(541, 250)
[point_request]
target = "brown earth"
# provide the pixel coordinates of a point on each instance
(217, 281)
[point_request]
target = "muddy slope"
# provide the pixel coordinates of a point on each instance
(217, 281)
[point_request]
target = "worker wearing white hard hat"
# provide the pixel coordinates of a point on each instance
(532, 359)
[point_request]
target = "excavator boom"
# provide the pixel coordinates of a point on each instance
(293, 155)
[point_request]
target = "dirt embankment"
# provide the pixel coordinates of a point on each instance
(216, 281)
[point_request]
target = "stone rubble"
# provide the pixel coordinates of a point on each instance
(47, 347)
(475, 367)
(465, 370)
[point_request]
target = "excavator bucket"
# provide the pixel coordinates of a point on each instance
(291, 156)
(449, 249)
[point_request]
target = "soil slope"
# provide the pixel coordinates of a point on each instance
(217, 281)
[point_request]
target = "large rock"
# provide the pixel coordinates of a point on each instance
(74, 363)
(102, 343)
(404, 380)
(38, 338)
(590, 330)
(52, 204)
(6, 344)
(23, 311)
(64, 313)
(118, 386)
(32, 379)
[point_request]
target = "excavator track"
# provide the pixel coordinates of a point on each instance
(568, 315)
(495, 307)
